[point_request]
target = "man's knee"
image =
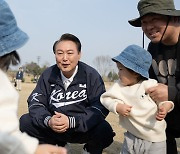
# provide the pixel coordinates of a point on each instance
(24, 121)
(105, 133)
(101, 137)
(105, 127)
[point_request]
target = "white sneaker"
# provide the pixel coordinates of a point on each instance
(85, 152)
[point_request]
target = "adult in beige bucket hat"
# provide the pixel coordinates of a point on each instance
(160, 22)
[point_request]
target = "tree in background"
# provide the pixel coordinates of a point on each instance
(105, 67)
(34, 69)
(112, 76)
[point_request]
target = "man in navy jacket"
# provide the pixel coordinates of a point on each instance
(65, 105)
(19, 78)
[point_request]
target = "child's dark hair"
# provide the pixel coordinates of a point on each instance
(140, 77)
(68, 37)
(8, 59)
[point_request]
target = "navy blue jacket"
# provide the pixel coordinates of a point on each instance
(19, 75)
(80, 102)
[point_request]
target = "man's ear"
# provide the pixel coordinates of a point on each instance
(80, 55)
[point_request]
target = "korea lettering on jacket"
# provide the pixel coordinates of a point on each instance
(60, 98)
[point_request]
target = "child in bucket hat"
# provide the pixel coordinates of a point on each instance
(160, 22)
(11, 139)
(138, 113)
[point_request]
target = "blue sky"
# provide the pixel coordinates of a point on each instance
(101, 25)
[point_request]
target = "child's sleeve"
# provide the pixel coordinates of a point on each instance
(161, 103)
(152, 83)
(110, 99)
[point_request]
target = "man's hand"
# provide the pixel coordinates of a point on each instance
(158, 93)
(59, 122)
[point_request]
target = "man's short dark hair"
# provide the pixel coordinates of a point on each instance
(68, 37)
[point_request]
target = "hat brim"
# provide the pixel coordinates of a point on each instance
(137, 21)
(12, 42)
(126, 63)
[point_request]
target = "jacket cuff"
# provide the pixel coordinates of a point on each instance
(46, 120)
(72, 122)
(172, 92)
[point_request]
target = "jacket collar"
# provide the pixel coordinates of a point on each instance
(55, 75)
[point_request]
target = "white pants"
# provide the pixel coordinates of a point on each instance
(134, 145)
(18, 84)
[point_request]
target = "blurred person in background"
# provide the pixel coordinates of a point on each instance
(19, 78)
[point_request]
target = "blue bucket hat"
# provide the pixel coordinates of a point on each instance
(11, 37)
(135, 58)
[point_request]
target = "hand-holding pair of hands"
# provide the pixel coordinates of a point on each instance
(158, 94)
(59, 122)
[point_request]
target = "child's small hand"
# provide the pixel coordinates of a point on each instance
(163, 109)
(123, 109)
(161, 114)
